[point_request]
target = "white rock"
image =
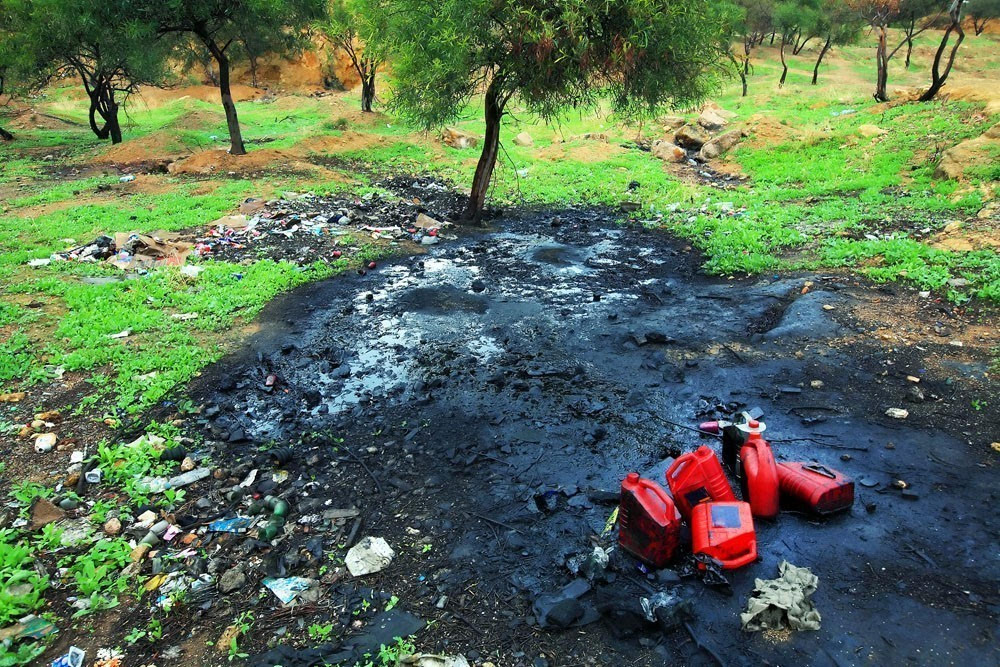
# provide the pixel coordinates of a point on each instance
(897, 413)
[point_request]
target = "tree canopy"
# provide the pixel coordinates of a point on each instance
(346, 26)
(638, 54)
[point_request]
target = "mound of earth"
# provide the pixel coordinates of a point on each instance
(763, 130)
(959, 237)
(156, 97)
(257, 160)
(348, 141)
(30, 119)
(160, 147)
(977, 152)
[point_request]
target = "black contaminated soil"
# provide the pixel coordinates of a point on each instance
(480, 405)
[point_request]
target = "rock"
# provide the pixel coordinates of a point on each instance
(369, 555)
(524, 139)
(869, 131)
(112, 527)
(187, 464)
(232, 580)
(711, 121)
(897, 413)
(595, 136)
(43, 513)
(671, 122)
(428, 660)
(459, 139)
(668, 151)
(970, 153)
(690, 137)
(719, 111)
(426, 222)
(816, 384)
(721, 144)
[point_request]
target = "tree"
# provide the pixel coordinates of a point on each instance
(757, 22)
(938, 77)
(345, 23)
(274, 26)
(982, 12)
(838, 25)
(797, 20)
(6, 57)
(878, 14)
(638, 55)
(112, 57)
(914, 17)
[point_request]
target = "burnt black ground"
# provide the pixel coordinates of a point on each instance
(495, 387)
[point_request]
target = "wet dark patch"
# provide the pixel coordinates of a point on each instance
(442, 301)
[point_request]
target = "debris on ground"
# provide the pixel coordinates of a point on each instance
(783, 603)
(368, 556)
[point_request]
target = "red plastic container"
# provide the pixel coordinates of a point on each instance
(725, 532)
(813, 487)
(697, 477)
(760, 475)
(649, 525)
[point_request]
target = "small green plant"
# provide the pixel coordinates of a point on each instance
(243, 623)
(320, 632)
(393, 601)
(978, 404)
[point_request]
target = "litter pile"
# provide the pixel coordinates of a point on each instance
(128, 251)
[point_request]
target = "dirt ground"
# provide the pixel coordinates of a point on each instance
(479, 406)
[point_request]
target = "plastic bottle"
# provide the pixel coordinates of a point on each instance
(760, 474)
(649, 525)
(697, 477)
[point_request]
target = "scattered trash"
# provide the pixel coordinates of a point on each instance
(184, 317)
(590, 565)
(74, 657)
(93, 476)
(368, 556)
(289, 588)
(13, 397)
(127, 178)
(666, 609)
(759, 473)
(897, 413)
(29, 627)
(44, 442)
(238, 524)
(783, 603)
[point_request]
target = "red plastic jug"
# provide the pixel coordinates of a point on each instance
(697, 477)
(813, 487)
(649, 526)
(760, 474)
(725, 532)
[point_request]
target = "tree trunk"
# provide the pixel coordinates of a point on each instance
(101, 132)
(114, 128)
(488, 159)
(5, 135)
(882, 65)
(236, 146)
(368, 89)
(745, 70)
(978, 25)
(822, 52)
(784, 65)
(938, 78)
(798, 48)
(909, 41)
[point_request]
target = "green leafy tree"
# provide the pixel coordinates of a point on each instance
(110, 55)
(838, 25)
(6, 57)
(345, 23)
(272, 26)
(982, 12)
(639, 55)
(797, 21)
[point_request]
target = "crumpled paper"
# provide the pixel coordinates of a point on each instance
(785, 602)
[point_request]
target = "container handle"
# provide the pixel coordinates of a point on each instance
(657, 491)
(679, 463)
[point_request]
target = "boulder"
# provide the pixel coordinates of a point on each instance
(728, 115)
(671, 122)
(690, 137)
(459, 139)
(969, 153)
(711, 121)
(524, 139)
(720, 145)
(668, 151)
(870, 131)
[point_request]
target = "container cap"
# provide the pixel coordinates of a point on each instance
(752, 426)
(632, 477)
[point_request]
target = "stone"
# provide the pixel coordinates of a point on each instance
(870, 131)
(897, 413)
(721, 144)
(459, 139)
(668, 151)
(112, 527)
(187, 464)
(43, 513)
(915, 394)
(524, 139)
(969, 153)
(671, 122)
(711, 121)
(233, 580)
(690, 137)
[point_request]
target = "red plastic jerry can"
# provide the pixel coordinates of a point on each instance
(649, 525)
(760, 474)
(725, 532)
(697, 477)
(814, 488)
